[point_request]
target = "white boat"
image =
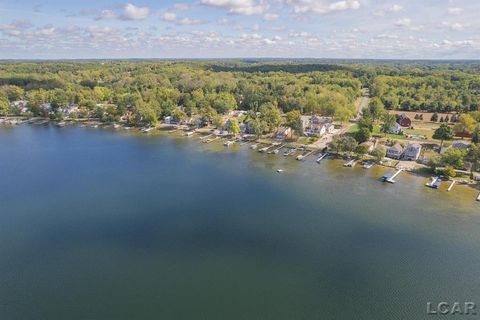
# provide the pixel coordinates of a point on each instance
(253, 147)
(228, 143)
(61, 124)
(300, 157)
(279, 170)
(288, 152)
(189, 133)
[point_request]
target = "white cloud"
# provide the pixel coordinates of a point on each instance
(183, 21)
(132, 12)
(270, 17)
(169, 16)
(404, 22)
(322, 7)
(455, 10)
(392, 9)
(242, 7)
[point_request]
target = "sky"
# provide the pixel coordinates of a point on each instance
(398, 29)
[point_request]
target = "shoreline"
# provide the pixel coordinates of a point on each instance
(206, 131)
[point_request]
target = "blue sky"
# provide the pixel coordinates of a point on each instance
(440, 29)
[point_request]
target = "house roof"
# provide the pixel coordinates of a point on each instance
(460, 145)
(396, 147)
(414, 145)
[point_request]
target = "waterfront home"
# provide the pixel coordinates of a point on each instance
(315, 125)
(412, 151)
(396, 129)
(46, 107)
(395, 151)
(21, 105)
(168, 119)
(283, 133)
(404, 121)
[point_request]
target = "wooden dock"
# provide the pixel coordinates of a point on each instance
(211, 140)
(303, 156)
(478, 197)
(322, 157)
(276, 150)
(390, 179)
(350, 164)
(451, 186)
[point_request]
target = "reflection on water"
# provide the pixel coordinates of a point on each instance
(106, 225)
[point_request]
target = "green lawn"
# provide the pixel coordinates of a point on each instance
(376, 131)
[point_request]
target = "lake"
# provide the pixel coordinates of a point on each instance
(98, 224)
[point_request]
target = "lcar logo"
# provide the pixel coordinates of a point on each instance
(452, 308)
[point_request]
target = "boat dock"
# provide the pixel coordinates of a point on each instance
(451, 186)
(390, 178)
(210, 140)
(207, 136)
(435, 183)
(478, 198)
(303, 156)
(265, 149)
(351, 163)
(322, 157)
(276, 150)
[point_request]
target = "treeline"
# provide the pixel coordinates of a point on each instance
(144, 92)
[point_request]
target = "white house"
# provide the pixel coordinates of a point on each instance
(396, 129)
(412, 151)
(283, 133)
(395, 151)
(315, 125)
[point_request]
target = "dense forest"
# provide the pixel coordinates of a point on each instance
(145, 91)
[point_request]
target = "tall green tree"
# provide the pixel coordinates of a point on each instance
(444, 132)
(389, 121)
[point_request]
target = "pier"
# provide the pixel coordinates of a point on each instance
(276, 150)
(435, 183)
(303, 156)
(478, 197)
(351, 163)
(322, 157)
(451, 186)
(390, 178)
(210, 140)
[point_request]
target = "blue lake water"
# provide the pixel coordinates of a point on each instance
(97, 224)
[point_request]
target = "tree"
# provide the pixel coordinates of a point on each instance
(233, 127)
(293, 120)
(466, 124)
(270, 116)
(473, 156)
(450, 172)
(224, 102)
(361, 150)
(443, 133)
(434, 117)
(476, 134)
(208, 115)
(389, 121)
(4, 106)
(453, 157)
(178, 115)
(344, 143)
(366, 123)
(362, 135)
(376, 109)
(379, 153)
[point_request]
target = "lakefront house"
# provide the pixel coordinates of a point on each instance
(412, 151)
(395, 151)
